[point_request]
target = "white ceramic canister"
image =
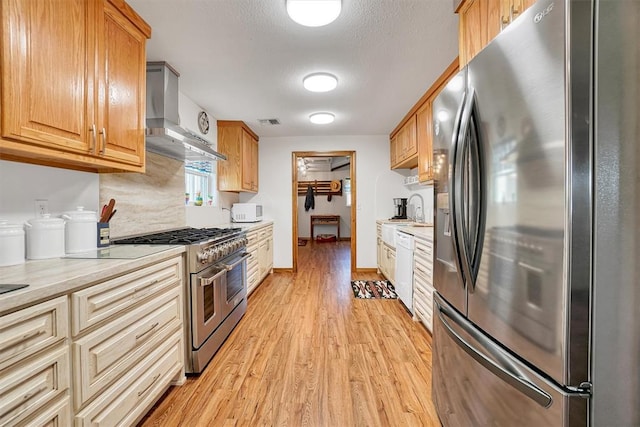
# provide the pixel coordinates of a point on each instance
(45, 237)
(11, 243)
(80, 230)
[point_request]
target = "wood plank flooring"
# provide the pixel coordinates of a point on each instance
(307, 353)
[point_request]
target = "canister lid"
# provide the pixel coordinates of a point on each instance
(7, 229)
(46, 222)
(80, 215)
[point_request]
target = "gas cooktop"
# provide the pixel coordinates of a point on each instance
(183, 236)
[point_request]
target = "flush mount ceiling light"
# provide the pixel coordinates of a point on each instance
(314, 13)
(322, 118)
(320, 82)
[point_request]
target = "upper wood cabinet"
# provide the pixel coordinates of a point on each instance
(404, 147)
(240, 144)
(481, 20)
(73, 84)
(415, 131)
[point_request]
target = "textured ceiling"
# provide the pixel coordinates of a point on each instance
(245, 60)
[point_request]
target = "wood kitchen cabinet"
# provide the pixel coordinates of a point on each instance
(73, 96)
(260, 263)
(481, 20)
(415, 132)
(240, 144)
(423, 281)
(424, 124)
(34, 364)
(404, 146)
(386, 257)
(265, 252)
(100, 355)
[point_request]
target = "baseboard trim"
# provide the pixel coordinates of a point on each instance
(366, 270)
(283, 270)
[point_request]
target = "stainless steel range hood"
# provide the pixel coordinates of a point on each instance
(163, 134)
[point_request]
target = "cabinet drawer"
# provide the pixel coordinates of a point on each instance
(253, 260)
(127, 400)
(423, 269)
(425, 316)
(28, 386)
(107, 353)
(424, 248)
(252, 238)
(252, 281)
(424, 295)
(97, 303)
(422, 282)
(57, 413)
(29, 330)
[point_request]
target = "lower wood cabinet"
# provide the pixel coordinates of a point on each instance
(260, 264)
(386, 256)
(265, 252)
(423, 282)
(29, 386)
(34, 361)
(127, 400)
(125, 348)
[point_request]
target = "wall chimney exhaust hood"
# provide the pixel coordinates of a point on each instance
(163, 134)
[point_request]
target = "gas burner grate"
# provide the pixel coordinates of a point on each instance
(186, 236)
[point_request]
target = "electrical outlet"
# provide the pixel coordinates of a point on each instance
(42, 207)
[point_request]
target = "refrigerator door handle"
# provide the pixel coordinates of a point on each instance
(509, 374)
(458, 178)
(470, 202)
(455, 147)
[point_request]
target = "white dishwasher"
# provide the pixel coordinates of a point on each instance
(404, 268)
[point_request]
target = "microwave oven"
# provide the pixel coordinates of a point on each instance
(246, 212)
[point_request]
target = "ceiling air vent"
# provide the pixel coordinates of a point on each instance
(269, 122)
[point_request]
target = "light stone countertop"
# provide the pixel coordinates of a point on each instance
(246, 226)
(50, 278)
(424, 231)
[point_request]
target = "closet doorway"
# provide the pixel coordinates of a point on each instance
(303, 167)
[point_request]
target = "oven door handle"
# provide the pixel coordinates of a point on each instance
(230, 267)
(207, 281)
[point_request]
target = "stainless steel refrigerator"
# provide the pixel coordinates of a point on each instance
(536, 147)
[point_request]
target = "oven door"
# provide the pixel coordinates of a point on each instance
(235, 288)
(206, 307)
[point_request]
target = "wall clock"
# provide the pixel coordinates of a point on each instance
(203, 122)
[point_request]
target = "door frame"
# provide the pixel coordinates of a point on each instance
(294, 198)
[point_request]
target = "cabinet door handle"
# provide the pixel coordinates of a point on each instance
(93, 146)
(103, 148)
(515, 11)
(155, 325)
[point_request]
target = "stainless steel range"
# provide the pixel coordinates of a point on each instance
(215, 285)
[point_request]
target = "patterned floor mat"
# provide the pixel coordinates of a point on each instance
(368, 289)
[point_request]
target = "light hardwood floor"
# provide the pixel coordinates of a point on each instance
(307, 353)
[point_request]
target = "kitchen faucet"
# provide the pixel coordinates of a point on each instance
(417, 217)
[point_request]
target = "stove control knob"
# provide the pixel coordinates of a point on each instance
(201, 257)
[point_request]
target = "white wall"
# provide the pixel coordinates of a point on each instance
(22, 183)
(376, 184)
